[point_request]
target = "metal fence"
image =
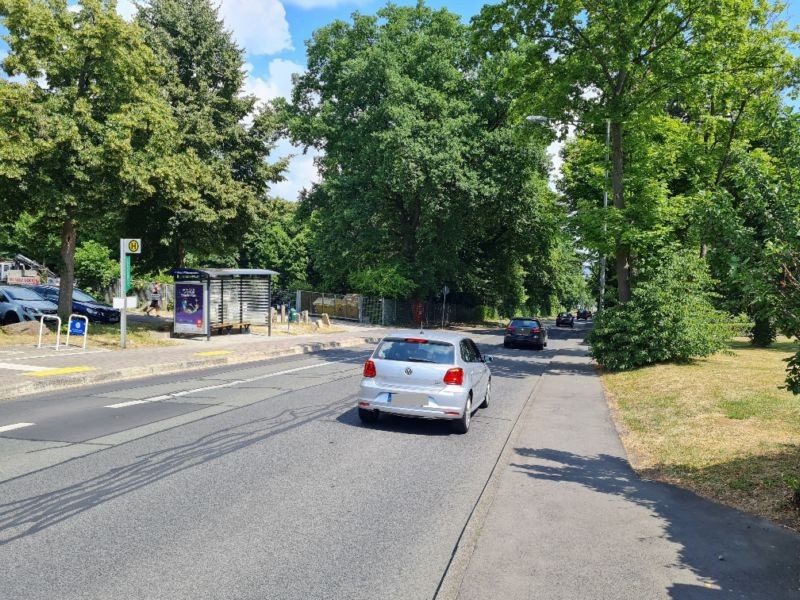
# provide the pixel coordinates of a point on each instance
(384, 311)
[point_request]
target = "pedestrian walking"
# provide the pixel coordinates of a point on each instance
(155, 299)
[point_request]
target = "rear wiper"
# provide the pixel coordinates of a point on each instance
(419, 360)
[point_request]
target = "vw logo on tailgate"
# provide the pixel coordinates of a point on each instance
(409, 371)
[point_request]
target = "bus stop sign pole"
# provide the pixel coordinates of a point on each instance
(127, 246)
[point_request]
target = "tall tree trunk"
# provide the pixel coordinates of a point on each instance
(180, 259)
(68, 240)
(622, 251)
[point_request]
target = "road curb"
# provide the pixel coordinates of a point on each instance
(25, 388)
(450, 584)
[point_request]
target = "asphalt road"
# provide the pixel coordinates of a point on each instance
(244, 482)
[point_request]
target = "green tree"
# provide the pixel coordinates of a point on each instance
(623, 62)
(278, 239)
(95, 270)
(208, 204)
(424, 179)
(80, 143)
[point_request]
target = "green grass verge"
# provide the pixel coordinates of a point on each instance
(721, 426)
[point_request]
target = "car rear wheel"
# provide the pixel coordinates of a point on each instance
(10, 318)
(462, 425)
(506, 344)
(487, 397)
(367, 416)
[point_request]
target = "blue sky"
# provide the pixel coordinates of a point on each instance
(273, 35)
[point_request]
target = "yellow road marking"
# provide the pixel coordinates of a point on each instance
(62, 371)
(213, 353)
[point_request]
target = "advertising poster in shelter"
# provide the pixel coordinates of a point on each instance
(189, 314)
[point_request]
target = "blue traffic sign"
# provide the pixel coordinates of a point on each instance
(77, 327)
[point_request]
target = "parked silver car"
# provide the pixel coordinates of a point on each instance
(432, 375)
(19, 304)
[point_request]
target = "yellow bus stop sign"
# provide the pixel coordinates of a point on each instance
(133, 246)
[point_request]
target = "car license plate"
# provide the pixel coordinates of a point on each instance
(408, 400)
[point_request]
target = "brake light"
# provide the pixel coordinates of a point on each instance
(416, 341)
(535, 330)
(510, 329)
(369, 369)
(454, 376)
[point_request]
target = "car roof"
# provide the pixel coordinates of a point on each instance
(434, 336)
(526, 319)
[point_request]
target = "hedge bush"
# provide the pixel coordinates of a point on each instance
(670, 317)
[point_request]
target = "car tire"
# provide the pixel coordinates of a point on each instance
(539, 347)
(368, 416)
(487, 397)
(462, 425)
(10, 318)
(506, 344)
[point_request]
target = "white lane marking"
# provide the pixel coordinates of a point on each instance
(19, 367)
(219, 386)
(61, 353)
(15, 426)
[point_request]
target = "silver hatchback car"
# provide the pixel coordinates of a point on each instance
(436, 375)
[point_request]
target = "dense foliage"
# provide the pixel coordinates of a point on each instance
(425, 180)
(670, 316)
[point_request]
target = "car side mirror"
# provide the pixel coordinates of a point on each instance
(487, 359)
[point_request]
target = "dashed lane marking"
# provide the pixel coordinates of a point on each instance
(19, 367)
(15, 426)
(61, 371)
(220, 386)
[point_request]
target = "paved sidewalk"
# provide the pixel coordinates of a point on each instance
(571, 520)
(27, 370)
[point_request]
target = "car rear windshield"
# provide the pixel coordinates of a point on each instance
(416, 350)
(524, 323)
(22, 294)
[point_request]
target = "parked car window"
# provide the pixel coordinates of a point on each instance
(524, 323)
(475, 351)
(440, 353)
(3, 298)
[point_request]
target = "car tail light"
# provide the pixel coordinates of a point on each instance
(416, 341)
(454, 376)
(535, 330)
(510, 329)
(369, 369)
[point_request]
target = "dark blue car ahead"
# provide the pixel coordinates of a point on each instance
(82, 304)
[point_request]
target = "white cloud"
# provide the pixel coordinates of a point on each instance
(277, 83)
(301, 172)
(259, 26)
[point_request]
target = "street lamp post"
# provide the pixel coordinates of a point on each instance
(542, 120)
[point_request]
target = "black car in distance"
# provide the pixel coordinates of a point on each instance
(584, 314)
(565, 319)
(525, 331)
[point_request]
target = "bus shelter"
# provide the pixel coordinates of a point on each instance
(219, 300)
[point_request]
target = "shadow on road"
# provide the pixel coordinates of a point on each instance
(737, 555)
(25, 517)
(398, 424)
